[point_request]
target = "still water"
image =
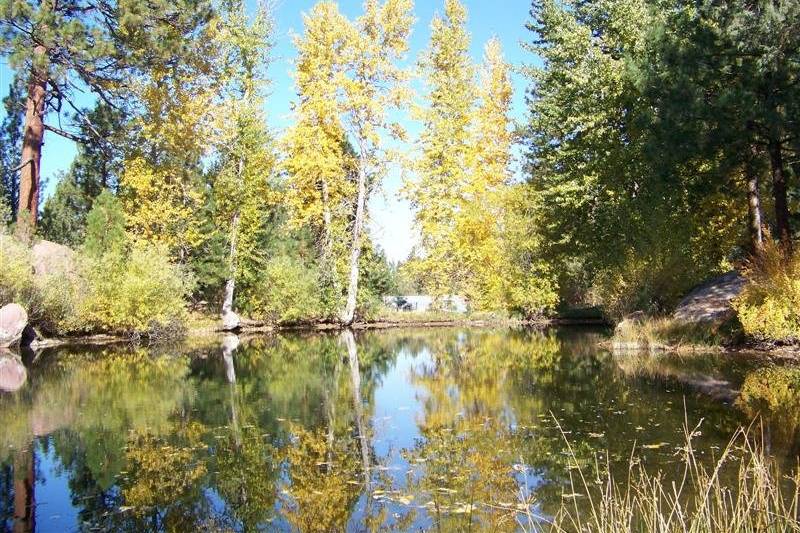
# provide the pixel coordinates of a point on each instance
(438, 429)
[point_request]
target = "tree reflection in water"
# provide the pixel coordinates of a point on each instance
(306, 432)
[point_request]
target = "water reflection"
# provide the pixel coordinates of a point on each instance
(433, 429)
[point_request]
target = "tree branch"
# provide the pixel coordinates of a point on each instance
(66, 134)
(22, 165)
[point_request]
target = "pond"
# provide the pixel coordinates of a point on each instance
(426, 429)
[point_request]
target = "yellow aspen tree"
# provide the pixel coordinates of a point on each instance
(374, 84)
(479, 220)
(443, 169)
(160, 184)
(319, 165)
(245, 160)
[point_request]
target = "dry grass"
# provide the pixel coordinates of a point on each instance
(668, 333)
(759, 499)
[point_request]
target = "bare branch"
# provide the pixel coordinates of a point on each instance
(22, 165)
(66, 134)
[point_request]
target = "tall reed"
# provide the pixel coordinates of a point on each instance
(758, 498)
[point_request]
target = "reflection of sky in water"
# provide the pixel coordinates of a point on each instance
(54, 510)
(492, 391)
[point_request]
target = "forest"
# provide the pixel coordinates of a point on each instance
(660, 148)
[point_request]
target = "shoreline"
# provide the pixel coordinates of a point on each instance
(625, 348)
(252, 327)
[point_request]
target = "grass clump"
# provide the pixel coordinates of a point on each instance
(670, 333)
(769, 306)
(743, 491)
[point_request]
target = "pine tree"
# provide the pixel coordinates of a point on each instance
(10, 145)
(55, 47)
(245, 162)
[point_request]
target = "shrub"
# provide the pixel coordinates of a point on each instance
(129, 290)
(769, 306)
(287, 291)
(132, 291)
(47, 300)
(16, 273)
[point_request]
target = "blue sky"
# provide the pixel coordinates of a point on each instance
(391, 217)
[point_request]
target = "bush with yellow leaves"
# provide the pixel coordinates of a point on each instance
(769, 306)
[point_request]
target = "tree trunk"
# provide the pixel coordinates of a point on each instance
(24, 495)
(33, 138)
(355, 378)
(230, 283)
(330, 410)
(754, 204)
(329, 274)
(229, 345)
(326, 221)
(779, 193)
(349, 313)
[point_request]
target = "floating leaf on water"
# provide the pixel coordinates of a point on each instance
(571, 495)
(655, 446)
(597, 435)
(463, 508)
(405, 500)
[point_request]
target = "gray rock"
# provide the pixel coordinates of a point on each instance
(12, 372)
(711, 301)
(50, 258)
(13, 320)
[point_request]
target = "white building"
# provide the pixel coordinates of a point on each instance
(420, 303)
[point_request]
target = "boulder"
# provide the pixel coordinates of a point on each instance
(711, 301)
(13, 320)
(50, 258)
(12, 372)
